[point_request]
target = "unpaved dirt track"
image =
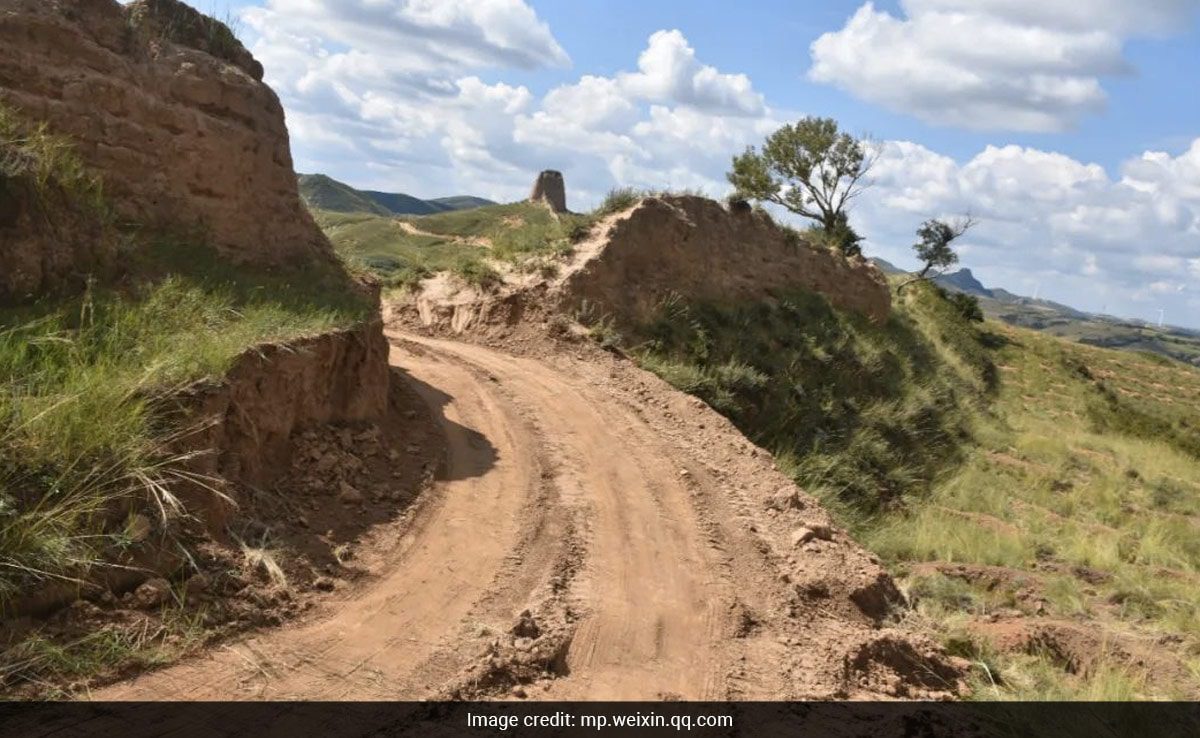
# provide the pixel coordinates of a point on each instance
(570, 502)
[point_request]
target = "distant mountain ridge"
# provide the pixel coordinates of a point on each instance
(323, 192)
(1065, 321)
(964, 280)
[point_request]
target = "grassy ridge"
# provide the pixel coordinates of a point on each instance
(1072, 471)
(865, 415)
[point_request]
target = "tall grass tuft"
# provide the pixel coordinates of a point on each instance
(83, 430)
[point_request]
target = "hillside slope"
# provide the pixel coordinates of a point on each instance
(167, 344)
(321, 192)
(1036, 498)
(1067, 322)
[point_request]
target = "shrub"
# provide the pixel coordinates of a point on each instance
(621, 198)
(966, 305)
(476, 272)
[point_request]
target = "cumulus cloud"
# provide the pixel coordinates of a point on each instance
(1026, 65)
(1130, 243)
(382, 37)
(387, 94)
(668, 70)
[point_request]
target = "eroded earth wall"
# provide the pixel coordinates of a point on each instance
(171, 110)
(694, 247)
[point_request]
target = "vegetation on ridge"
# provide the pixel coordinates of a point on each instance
(473, 244)
(812, 169)
(866, 415)
(1009, 479)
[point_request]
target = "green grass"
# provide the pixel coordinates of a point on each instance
(861, 414)
(49, 664)
(475, 244)
(935, 438)
(381, 247)
(190, 27)
(82, 385)
(475, 272)
(32, 154)
(515, 231)
(618, 199)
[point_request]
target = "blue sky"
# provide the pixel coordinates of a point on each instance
(1070, 129)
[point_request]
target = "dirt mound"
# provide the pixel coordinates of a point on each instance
(246, 424)
(324, 525)
(694, 247)
(1080, 648)
(245, 433)
(632, 261)
(172, 112)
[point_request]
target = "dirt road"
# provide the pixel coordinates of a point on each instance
(594, 535)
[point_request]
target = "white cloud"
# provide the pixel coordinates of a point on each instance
(668, 70)
(1046, 219)
(380, 37)
(1026, 65)
(361, 82)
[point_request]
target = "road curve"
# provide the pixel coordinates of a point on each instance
(575, 501)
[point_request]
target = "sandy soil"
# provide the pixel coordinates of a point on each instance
(592, 534)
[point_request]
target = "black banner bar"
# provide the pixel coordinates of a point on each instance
(533, 719)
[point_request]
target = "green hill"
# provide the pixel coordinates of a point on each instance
(322, 192)
(325, 193)
(402, 250)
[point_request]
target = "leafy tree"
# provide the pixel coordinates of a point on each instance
(935, 249)
(844, 237)
(812, 169)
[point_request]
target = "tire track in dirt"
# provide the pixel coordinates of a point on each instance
(594, 535)
(368, 645)
(650, 590)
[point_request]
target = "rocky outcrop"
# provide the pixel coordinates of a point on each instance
(170, 108)
(694, 247)
(169, 127)
(550, 189)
